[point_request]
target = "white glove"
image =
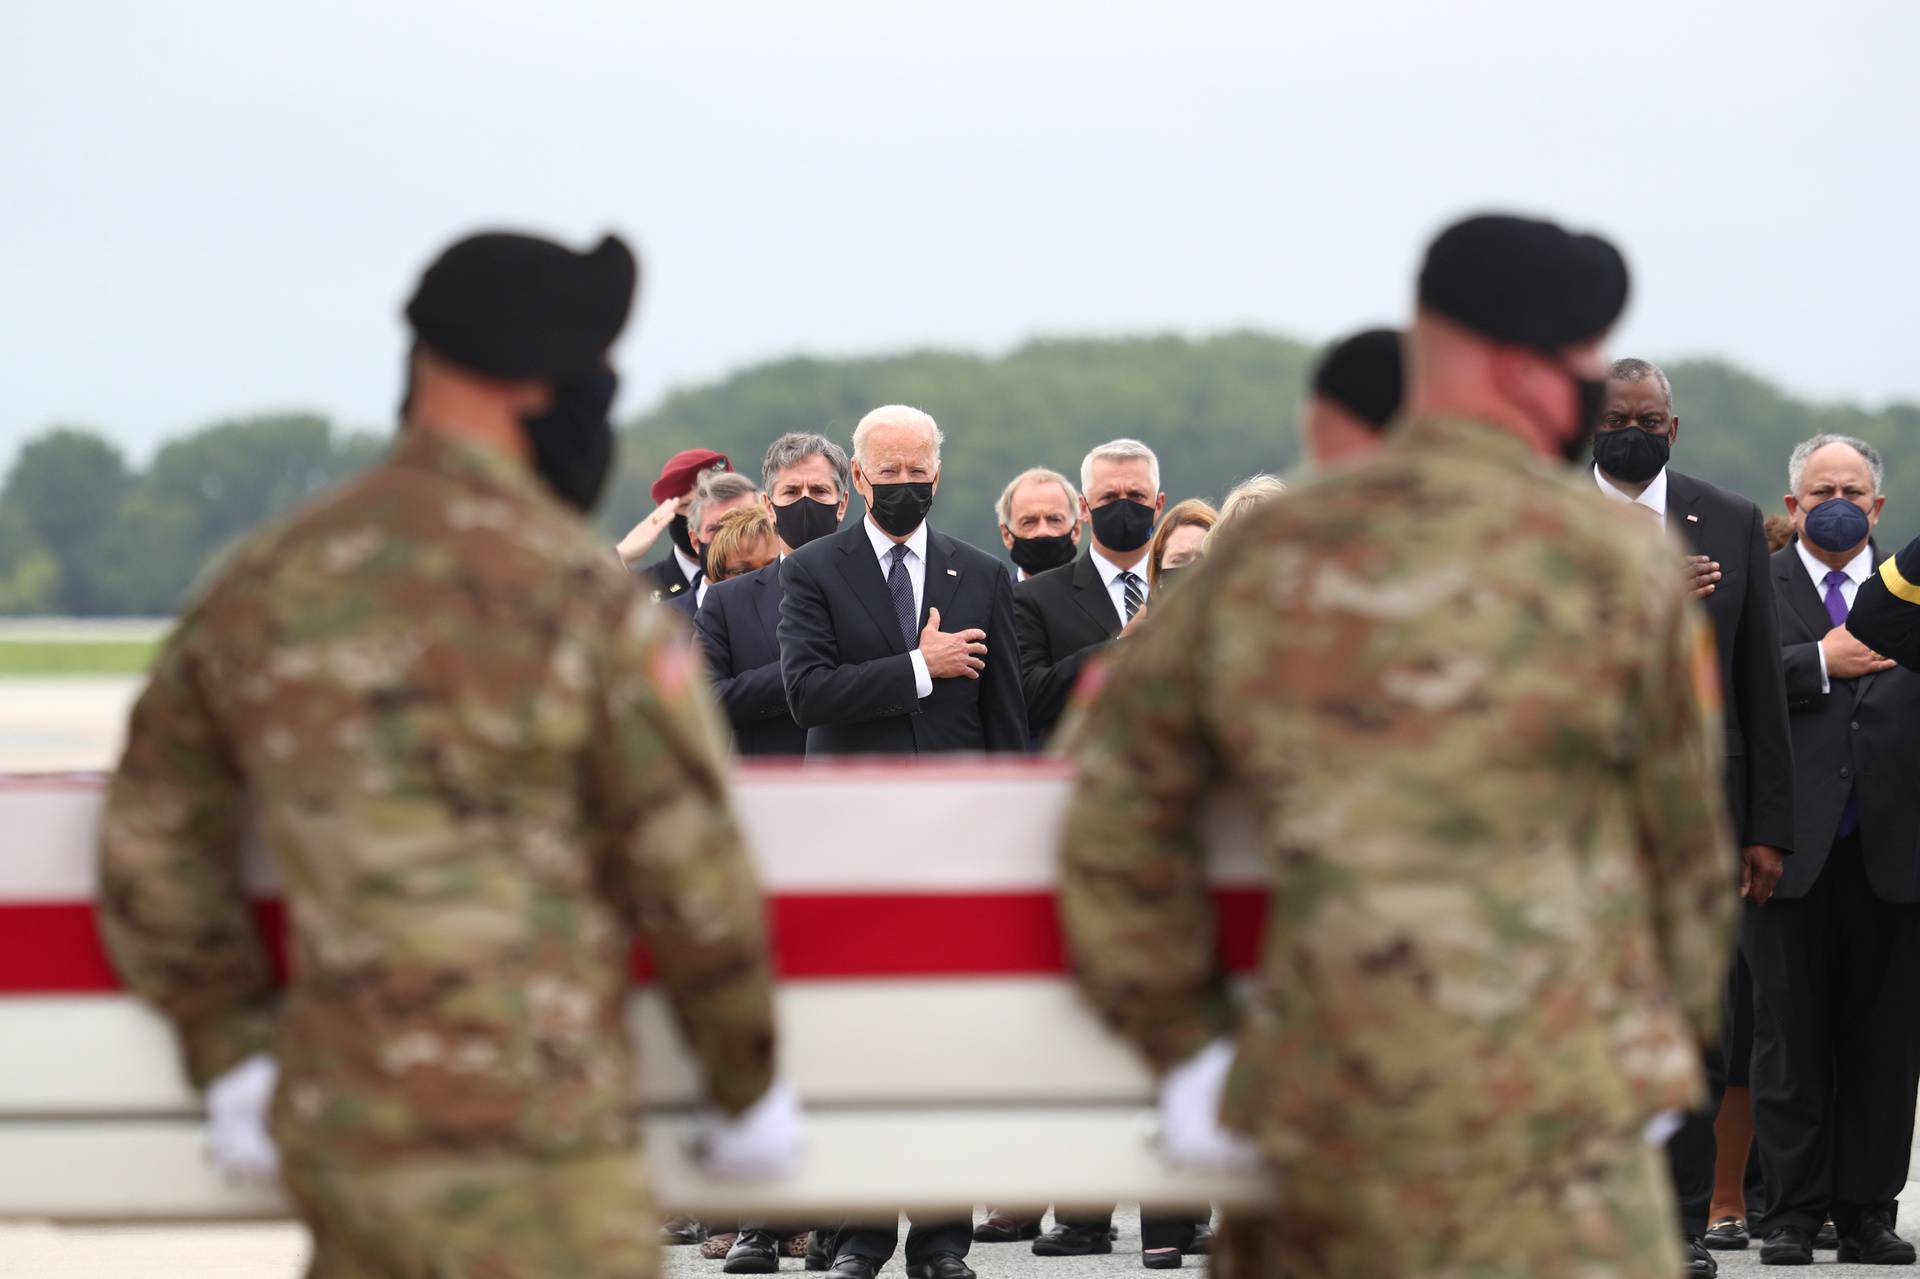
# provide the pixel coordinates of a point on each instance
(237, 1105)
(1661, 1127)
(760, 1143)
(1191, 1134)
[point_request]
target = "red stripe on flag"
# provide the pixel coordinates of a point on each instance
(54, 947)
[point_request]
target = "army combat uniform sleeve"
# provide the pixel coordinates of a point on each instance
(1133, 886)
(1886, 611)
(678, 864)
(1683, 826)
(173, 910)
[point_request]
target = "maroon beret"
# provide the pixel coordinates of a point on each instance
(682, 472)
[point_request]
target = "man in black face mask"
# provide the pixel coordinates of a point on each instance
(482, 763)
(1070, 612)
(896, 639)
(1728, 567)
(678, 573)
(1039, 515)
(807, 487)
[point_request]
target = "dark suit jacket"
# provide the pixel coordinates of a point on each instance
(848, 677)
(664, 576)
(1746, 629)
(736, 627)
(1862, 737)
(1062, 615)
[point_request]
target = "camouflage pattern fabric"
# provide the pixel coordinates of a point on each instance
(503, 1219)
(481, 763)
(1476, 720)
(1603, 1213)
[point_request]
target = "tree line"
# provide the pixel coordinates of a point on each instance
(84, 533)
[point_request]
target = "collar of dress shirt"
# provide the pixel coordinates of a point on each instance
(1108, 570)
(1857, 569)
(688, 565)
(883, 545)
(1654, 498)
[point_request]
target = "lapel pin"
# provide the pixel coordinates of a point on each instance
(1693, 519)
(953, 572)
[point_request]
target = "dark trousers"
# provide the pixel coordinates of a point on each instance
(1836, 1046)
(925, 1238)
(1692, 1148)
(1157, 1229)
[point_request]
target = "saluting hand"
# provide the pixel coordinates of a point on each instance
(950, 656)
(640, 537)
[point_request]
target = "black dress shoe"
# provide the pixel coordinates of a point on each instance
(1000, 1227)
(1201, 1245)
(755, 1252)
(852, 1266)
(1829, 1237)
(1160, 1258)
(1729, 1234)
(1073, 1241)
(941, 1265)
(819, 1249)
(1698, 1260)
(1787, 1246)
(1873, 1243)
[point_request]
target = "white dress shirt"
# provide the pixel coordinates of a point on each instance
(916, 563)
(1857, 569)
(1654, 498)
(1110, 574)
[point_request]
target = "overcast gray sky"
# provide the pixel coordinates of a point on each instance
(217, 208)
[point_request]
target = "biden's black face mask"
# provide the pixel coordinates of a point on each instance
(901, 508)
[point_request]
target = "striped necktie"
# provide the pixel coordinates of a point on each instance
(1130, 587)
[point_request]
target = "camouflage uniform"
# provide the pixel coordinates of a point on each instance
(481, 763)
(1474, 715)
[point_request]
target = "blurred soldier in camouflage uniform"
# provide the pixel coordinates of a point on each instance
(1474, 714)
(481, 764)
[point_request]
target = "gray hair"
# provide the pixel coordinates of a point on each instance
(717, 486)
(1254, 491)
(1003, 509)
(796, 447)
(1797, 463)
(1118, 451)
(1632, 370)
(896, 415)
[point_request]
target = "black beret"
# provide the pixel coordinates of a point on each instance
(1364, 375)
(1530, 283)
(520, 307)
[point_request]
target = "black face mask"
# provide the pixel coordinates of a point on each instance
(572, 441)
(1591, 397)
(705, 551)
(1038, 554)
(1123, 524)
(805, 520)
(682, 536)
(901, 508)
(1631, 454)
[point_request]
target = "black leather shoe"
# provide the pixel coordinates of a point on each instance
(1160, 1258)
(1829, 1237)
(1787, 1246)
(755, 1252)
(1873, 1243)
(1201, 1245)
(941, 1265)
(1699, 1262)
(1000, 1227)
(679, 1231)
(1073, 1241)
(851, 1266)
(819, 1249)
(1729, 1234)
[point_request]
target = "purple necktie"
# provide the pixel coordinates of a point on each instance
(1837, 614)
(1836, 601)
